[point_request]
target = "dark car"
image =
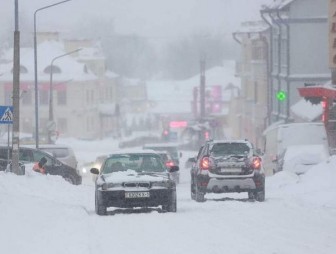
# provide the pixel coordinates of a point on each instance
(227, 166)
(172, 148)
(134, 179)
(32, 155)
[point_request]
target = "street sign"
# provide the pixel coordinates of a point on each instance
(6, 115)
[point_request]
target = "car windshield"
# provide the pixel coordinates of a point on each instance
(137, 162)
(227, 149)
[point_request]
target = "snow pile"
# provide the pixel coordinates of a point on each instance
(316, 187)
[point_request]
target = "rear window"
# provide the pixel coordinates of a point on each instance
(222, 149)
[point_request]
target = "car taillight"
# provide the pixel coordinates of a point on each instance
(169, 164)
(256, 163)
(205, 163)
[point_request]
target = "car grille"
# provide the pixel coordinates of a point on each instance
(137, 185)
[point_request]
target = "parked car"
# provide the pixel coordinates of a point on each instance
(224, 166)
(134, 179)
(32, 155)
(299, 159)
(172, 148)
(279, 138)
(62, 152)
(169, 162)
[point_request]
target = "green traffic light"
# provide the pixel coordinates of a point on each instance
(281, 96)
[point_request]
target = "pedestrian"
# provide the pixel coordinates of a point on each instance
(39, 166)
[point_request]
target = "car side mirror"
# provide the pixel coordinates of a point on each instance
(94, 171)
(174, 169)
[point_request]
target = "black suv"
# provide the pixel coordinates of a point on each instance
(32, 155)
(223, 166)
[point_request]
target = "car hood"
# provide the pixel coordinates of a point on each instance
(133, 176)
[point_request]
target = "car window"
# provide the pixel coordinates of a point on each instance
(37, 155)
(222, 149)
(137, 162)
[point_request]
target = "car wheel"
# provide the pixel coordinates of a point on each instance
(171, 206)
(251, 195)
(260, 195)
(192, 190)
(199, 196)
(100, 209)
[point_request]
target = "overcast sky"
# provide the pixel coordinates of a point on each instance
(144, 17)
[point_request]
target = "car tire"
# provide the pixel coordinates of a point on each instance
(99, 208)
(251, 195)
(260, 195)
(71, 179)
(171, 207)
(199, 196)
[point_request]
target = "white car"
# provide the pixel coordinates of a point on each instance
(134, 179)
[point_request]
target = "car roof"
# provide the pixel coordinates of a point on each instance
(161, 145)
(133, 151)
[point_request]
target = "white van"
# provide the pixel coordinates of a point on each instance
(279, 138)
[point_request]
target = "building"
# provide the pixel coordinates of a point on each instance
(298, 50)
(252, 69)
(84, 93)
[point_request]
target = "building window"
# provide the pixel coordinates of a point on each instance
(44, 97)
(61, 98)
(62, 125)
(27, 97)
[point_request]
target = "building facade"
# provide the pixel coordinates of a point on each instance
(252, 69)
(84, 94)
(298, 50)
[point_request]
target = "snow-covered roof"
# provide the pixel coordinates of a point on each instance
(252, 27)
(306, 110)
(47, 51)
(277, 4)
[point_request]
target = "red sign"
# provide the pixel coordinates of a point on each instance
(178, 124)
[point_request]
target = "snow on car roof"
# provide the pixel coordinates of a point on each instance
(133, 151)
(161, 145)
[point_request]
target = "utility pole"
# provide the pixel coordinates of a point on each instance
(202, 88)
(16, 95)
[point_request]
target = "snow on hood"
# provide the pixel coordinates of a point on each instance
(132, 176)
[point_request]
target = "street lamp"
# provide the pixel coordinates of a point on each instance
(51, 107)
(35, 68)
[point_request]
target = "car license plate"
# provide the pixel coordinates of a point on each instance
(137, 194)
(231, 170)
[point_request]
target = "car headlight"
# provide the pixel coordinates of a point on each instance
(106, 186)
(84, 170)
(161, 184)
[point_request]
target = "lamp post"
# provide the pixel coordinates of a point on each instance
(51, 106)
(35, 69)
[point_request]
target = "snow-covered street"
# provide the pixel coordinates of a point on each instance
(45, 214)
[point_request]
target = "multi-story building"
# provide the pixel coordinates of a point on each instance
(252, 70)
(84, 92)
(298, 50)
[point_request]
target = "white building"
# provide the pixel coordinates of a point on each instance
(84, 92)
(299, 49)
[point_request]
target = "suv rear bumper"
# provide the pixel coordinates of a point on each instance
(207, 184)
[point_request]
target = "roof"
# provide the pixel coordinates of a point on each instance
(252, 27)
(47, 51)
(277, 5)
